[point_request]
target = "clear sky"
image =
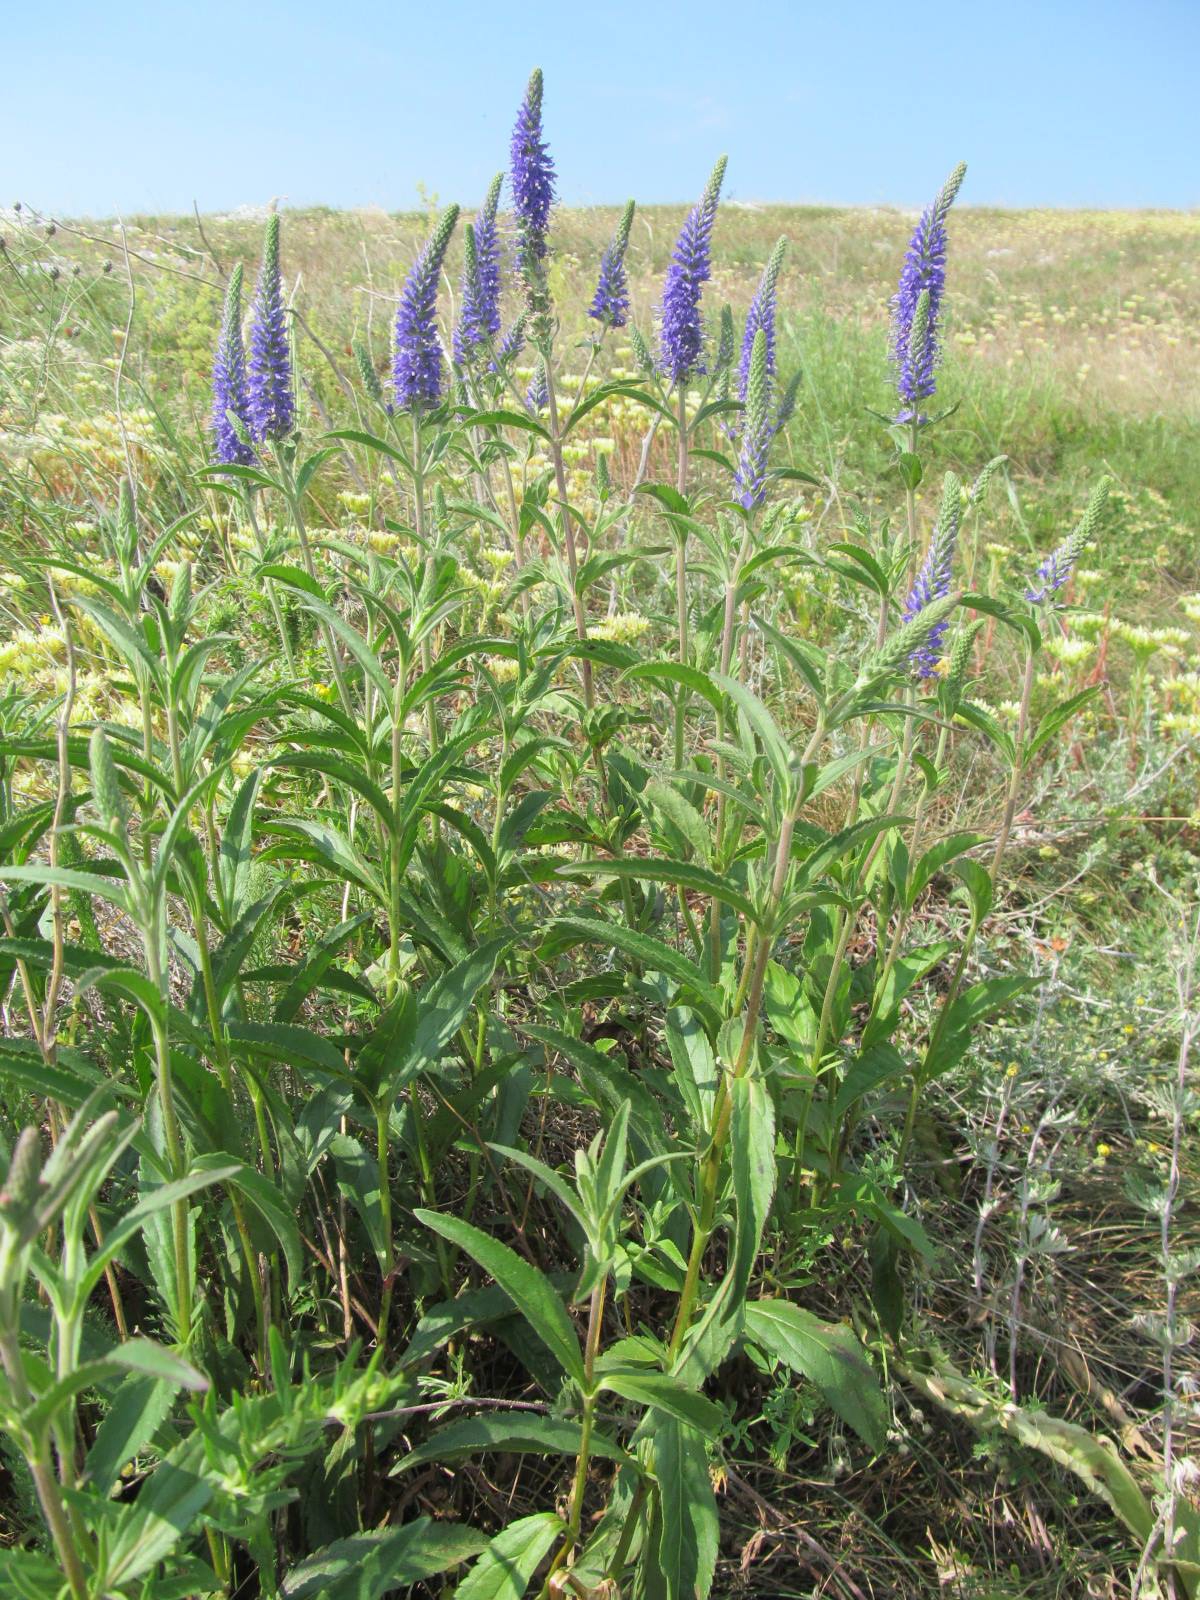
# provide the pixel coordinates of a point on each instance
(151, 104)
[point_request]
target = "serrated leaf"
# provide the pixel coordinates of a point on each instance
(529, 1290)
(506, 1568)
(512, 1432)
(829, 1355)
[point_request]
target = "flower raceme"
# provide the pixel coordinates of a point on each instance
(417, 367)
(750, 482)
(933, 580)
(479, 319)
(915, 343)
(610, 305)
(681, 333)
(762, 315)
(271, 401)
(1060, 563)
(532, 170)
(231, 401)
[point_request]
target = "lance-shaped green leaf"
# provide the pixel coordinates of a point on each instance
(752, 1155)
(829, 1355)
(384, 1561)
(688, 1543)
(652, 953)
(680, 874)
(667, 1394)
(506, 1568)
(111, 889)
(529, 1290)
(512, 1432)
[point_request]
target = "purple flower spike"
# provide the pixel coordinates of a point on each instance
(750, 480)
(537, 396)
(1060, 563)
(230, 398)
(681, 333)
(511, 345)
(479, 320)
(610, 306)
(915, 344)
(532, 170)
(417, 368)
(761, 315)
(933, 580)
(272, 404)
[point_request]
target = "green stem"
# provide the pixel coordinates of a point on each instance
(297, 511)
(382, 1145)
(174, 1144)
(560, 480)
(272, 595)
(1002, 838)
(225, 1074)
(681, 612)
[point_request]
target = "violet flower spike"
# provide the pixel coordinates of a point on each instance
(271, 401)
(681, 334)
(933, 580)
(532, 170)
(610, 305)
(750, 479)
(511, 345)
(761, 315)
(1060, 563)
(230, 398)
(537, 396)
(924, 272)
(479, 319)
(417, 367)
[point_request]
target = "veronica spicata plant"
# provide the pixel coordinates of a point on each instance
(270, 398)
(917, 305)
(231, 422)
(474, 984)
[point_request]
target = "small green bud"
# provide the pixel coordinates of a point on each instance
(958, 664)
(23, 1183)
(367, 372)
(181, 593)
(127, 536)
(106, 786)
(983, 481)
(641, 353)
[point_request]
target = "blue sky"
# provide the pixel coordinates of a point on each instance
(153, 104)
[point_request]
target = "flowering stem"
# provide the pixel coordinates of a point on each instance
(272, 595)
(560, 480)
(1018, 770)
(418, 476)
(173, 1142)
(960, 967)
(42, 1472)
(591, 1351)
(893, 954)
(846, 924)
(732, 580)
(331, 650)
(681, 615)
(758, 953)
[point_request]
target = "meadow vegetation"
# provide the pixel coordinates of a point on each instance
(598, 940)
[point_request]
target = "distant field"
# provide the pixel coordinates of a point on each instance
(1071, 336)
